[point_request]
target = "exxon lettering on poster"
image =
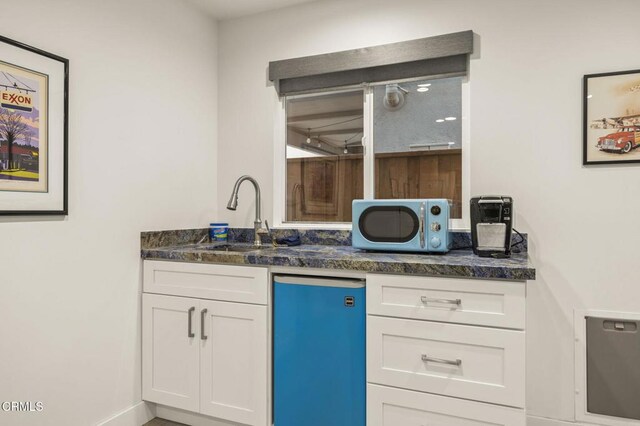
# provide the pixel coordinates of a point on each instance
(17, 101)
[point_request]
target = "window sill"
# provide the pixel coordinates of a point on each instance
(313, 225)
(457, 227)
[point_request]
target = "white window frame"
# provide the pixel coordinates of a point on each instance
(280, 161)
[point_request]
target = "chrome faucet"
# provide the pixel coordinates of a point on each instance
(233, 204)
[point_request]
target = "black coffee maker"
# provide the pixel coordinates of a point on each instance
(491, 225)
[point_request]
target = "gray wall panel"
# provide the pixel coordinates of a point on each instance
(440, 55)
(449, 66)
(460, 43)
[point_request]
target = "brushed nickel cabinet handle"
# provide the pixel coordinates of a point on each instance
(202, 315)
(427, 358)
(426, 300)
(190, 332)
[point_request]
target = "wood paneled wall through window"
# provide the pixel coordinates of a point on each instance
(320, 189)
(422, 174)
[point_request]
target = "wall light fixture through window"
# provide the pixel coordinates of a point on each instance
(394, 97)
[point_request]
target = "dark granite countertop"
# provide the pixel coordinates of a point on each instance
(456, 263)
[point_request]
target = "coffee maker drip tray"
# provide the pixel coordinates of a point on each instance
(491, 236)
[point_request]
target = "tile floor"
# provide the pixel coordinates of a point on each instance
(162, 422)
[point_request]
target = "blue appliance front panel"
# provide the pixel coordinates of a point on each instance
(319, 356)
(437, 240)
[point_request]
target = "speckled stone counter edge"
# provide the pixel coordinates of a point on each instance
(178, 237)
(461, 263)
(322, 250)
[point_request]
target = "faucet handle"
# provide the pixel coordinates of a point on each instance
(266, 223)
(273, 239)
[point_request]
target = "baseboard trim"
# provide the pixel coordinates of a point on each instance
(137, 415)
(543, 421)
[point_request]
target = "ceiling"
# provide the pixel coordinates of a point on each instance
(332, 123)
(326, 124)
(229, 9)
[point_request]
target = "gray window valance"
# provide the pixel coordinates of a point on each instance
(443, 55)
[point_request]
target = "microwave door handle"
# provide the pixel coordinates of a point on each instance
(422, 212)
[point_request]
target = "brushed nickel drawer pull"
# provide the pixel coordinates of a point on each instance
(426, 300)
(202, 315)
(190, 332)
(427, 358)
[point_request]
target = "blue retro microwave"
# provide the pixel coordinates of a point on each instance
(419, 225)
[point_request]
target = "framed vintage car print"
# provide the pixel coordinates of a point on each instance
(611, 118)
(33, 130)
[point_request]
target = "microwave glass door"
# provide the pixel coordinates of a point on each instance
(389, 224)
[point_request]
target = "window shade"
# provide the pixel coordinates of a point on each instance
(443, 55)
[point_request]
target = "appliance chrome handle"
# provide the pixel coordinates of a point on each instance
(427, 300)
(190, 332)
(427, 358)
(422, 212)
(202, 314)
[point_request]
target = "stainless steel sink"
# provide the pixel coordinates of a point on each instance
(232, 248)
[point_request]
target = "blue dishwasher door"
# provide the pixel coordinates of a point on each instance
(319, 352)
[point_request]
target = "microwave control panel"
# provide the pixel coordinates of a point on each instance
(437, 222)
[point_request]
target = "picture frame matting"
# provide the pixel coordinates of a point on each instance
(34, 110)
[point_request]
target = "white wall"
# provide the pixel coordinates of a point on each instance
(142, 156)
(525, 133)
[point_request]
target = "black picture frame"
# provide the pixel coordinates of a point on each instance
(56, 174)
(606, 116)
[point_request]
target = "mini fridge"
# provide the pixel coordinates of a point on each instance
(319, 362)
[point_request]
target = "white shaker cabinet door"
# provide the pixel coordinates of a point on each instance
(234, 362)
(170, 351)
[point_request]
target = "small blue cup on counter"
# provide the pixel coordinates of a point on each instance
(218, 232)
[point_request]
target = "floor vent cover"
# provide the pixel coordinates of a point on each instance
(613, 367)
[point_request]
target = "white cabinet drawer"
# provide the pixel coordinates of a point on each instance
(398, 407)
(477, 302)
(421, 355)
(206, 281)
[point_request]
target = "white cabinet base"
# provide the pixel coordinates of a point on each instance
(445, 351)
(207, 356)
